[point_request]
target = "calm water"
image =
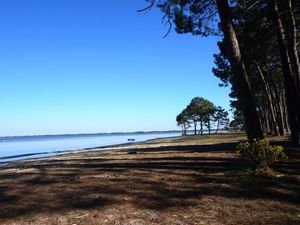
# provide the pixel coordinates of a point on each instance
(24, 148)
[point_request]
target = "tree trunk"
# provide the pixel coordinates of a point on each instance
(270, 102)
(292, 44)
(201, 126)
(283, 126)
(263, 118)
(286, 118)
(265, 113)
(217, 129)
(240, 76)
(195, 127)
(290, 83)
(279, 104)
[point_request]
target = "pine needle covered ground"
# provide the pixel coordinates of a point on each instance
(189, 180)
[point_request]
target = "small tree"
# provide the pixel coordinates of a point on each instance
(221, 117)
(208, 113)
(183, 121)
(238, 122)
(194, 110)
(191, 110)
(200, 110)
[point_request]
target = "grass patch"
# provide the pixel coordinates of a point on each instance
(26, 216)
(239, 173)
(197, 139)
(73, 215)
(205, 207)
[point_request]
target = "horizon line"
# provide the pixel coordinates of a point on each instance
(86, 134)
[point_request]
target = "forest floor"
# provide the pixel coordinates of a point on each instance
(188, 180)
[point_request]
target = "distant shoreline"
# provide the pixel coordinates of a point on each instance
(84, 134)
(7, 138)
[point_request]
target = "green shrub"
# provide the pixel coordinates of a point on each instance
(260, 153)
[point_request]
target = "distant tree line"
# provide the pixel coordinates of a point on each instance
(204, 113)
(259, 56)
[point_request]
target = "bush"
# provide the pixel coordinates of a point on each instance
(261, 154)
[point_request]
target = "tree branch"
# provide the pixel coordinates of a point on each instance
(152, 2)
(169, 30)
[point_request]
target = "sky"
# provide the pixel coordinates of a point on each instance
(89, 66)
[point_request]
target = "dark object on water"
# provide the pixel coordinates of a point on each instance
(131, 151)
(131, 139)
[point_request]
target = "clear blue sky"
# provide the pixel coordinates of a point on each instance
(77, 66)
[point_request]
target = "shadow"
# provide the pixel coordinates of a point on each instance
(223, 147)
(154, 178)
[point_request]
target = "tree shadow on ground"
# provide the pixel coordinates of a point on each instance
(154, 178)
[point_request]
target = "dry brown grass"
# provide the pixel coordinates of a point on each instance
(192, 180)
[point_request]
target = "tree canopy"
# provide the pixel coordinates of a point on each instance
(203, 112)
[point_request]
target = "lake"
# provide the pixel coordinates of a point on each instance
(15, 148)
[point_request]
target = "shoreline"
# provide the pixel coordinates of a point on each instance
(48, 154)
(86, 134)
(45, 154)
(109, 149)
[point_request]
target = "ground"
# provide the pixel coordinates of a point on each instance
(191, 180)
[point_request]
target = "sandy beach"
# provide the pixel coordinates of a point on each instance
(187, 180)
